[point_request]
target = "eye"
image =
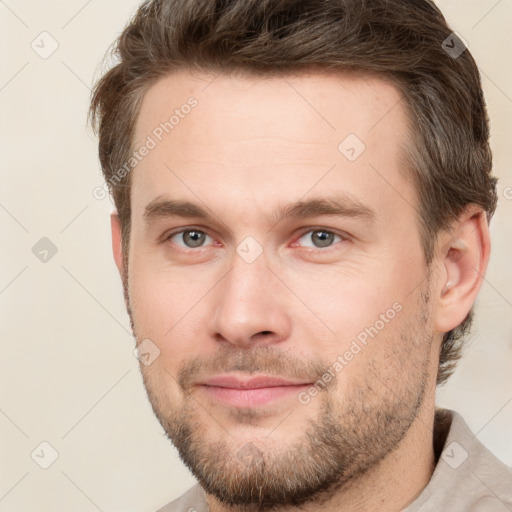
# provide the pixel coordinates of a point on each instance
(190, 238)
(320, 238)
(193, 238)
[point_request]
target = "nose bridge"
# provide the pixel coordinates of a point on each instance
(248, 301)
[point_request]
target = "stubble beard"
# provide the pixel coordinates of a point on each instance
(344, 440)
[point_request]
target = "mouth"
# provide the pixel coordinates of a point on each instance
(252, 392)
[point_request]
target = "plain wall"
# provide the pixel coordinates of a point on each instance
(68, 375)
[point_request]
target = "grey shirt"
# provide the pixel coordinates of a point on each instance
(467, 477)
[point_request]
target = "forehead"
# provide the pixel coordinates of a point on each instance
(272, 137)
(330, 102)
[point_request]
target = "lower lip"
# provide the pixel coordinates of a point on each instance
(252, 397)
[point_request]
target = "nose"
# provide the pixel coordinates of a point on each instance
(250, 306)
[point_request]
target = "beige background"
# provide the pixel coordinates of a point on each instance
(67, 372)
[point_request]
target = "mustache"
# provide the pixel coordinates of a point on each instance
(263, 359)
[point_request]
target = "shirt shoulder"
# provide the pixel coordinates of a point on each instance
(192, 501)
(468, 477)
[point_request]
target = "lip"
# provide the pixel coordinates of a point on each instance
(261, 381)
(250, 392)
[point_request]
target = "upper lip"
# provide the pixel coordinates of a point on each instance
(262, 381)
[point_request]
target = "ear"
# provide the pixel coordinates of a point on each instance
(463, 260)
(117, 246)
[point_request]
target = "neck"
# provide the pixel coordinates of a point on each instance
(389, 486)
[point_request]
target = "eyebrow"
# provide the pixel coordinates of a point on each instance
(342, 206)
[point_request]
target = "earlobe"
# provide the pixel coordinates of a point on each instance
(117, 246)
(464, 260)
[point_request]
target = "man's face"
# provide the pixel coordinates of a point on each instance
(337, 299)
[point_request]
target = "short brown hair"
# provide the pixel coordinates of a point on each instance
(404, 41)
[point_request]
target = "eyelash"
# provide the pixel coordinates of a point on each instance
(343, 237)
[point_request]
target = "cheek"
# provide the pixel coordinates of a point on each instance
(168, 308)
(359, 318)
(157, 300)
(382, 364)
(162, 314)
(342, 303)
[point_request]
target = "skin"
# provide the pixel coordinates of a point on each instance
(251, 144)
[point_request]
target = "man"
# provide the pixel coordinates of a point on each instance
(303, 192)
